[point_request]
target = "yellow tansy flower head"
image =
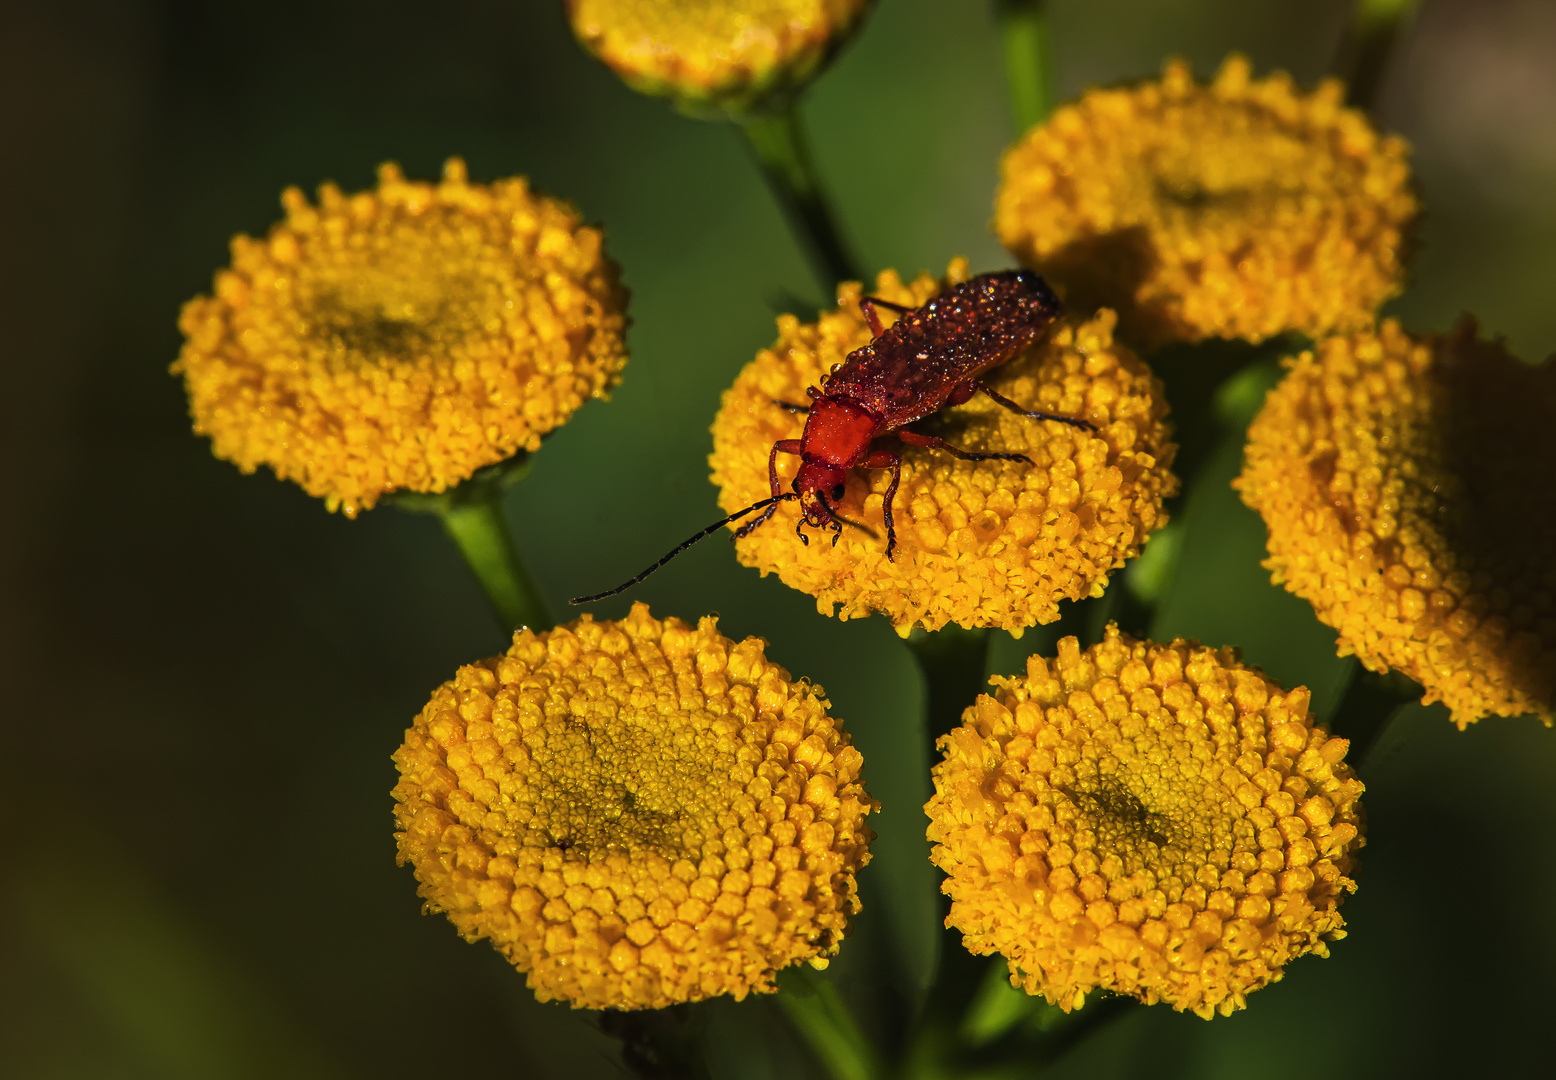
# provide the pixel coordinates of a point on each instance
(1240, 209)
(731, 55)
(404, 337)
(979, 543)
(1155, 820)
(636, 813)
(1406, 484)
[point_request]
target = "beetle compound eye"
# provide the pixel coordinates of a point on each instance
(837, 492)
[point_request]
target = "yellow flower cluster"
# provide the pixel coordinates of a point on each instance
(404, 337)
(1156, 820)
(979, 543)
(1239, 209)
(1406, 486)
(637, 813)
(734, 55)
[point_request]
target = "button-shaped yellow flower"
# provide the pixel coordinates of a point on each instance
(1156, 820)
(404, 337)
(636, 813)
(731, 55)
(1241, 209)
(979, 543)
(1406, 485)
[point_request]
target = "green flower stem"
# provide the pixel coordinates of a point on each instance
(823, 1020)
(779, 145)
(658, 1043)
(954, 662)
(1003, 1024)
(1147, 580)
(1216, 388)
(472, 516)
(1028, 67)
(1370, 703)
(996, 1007)
(1368, 44)
(478, 527)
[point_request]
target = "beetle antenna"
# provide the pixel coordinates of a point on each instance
(709, 531)
(861, 526)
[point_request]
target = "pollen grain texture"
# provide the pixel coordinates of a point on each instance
(1241, 209)
(636, 813)
(403, 337)
(1406, 485)
(715, 54)
(1154, 820)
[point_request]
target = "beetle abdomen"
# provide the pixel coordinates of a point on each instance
(911, 369)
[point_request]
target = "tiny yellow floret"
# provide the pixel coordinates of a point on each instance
(1406, 485)
(636, 813)
(1241, 209)
(716, 55)
(979, 543)
(404, 337)
(1155, 820)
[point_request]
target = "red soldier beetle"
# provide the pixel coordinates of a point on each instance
(933, 357)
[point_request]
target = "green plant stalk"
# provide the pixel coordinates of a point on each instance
(821, 1017)
(1217, 388)
(1003, 1025)
(1028, 67)
(1370, 703)
(478, 528)
(954, 662)
(1368, 43)
(778, 143)
(996, 1007)
(656, 1043)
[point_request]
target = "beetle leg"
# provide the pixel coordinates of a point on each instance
(1073, 421)
(746, 529)
(782, 446)
(891, 497)
(871, 316)
(934, 442)
(888, 459)
(750, 526)
(801, 409)
(868, 304)
(962, 393)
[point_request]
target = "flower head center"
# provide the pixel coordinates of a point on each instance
(1248, 174)
(388, 313)
(623, 786)
(1155, 820)
(1123, 824)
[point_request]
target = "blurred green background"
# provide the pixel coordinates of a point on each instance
(204, 674)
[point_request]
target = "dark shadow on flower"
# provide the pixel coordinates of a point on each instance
(1491, 422)
(1107, 270)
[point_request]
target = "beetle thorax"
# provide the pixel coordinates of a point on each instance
(837, 437)
(838, 433)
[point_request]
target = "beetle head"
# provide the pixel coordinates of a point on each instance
(820, 488)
